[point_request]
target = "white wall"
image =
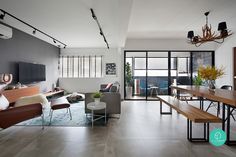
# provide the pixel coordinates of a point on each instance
(116, 55)
(83, 85)
(224, 57)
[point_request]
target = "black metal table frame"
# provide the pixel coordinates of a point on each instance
(225, 119)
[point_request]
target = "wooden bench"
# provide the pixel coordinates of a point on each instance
(192, 114)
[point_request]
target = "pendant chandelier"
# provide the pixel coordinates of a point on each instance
(208, 35)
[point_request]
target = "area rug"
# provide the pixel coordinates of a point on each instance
(62, 118)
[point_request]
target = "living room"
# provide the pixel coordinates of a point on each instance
(57, 57)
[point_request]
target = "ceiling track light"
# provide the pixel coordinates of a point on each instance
(4, 13)
(34, 31)
(99, 26)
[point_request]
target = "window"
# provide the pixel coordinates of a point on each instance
(80, 66)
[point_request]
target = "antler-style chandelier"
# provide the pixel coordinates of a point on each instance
(208, 35)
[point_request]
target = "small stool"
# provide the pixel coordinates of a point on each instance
(57, 104)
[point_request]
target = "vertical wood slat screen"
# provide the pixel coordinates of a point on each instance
(80, 66)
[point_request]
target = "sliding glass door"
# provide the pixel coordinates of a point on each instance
(150, 73)
(180, 69)
(157, 74)
(135, 79)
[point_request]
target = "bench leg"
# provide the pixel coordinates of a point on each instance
(190, 132)
(51, 118)
(201, 103)
(161, 112)
(42, 117)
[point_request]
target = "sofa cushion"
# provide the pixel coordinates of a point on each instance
(27, 100)
(4, 103)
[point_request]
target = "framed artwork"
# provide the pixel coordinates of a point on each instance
(110, 68)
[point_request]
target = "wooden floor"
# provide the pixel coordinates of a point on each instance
(140, 132)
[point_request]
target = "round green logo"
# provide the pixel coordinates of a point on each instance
(217, 137)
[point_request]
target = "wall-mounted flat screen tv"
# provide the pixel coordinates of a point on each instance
(30, 73)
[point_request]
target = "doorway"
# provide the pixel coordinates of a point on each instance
(150, 73)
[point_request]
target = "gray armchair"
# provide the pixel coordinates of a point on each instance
(112, 99)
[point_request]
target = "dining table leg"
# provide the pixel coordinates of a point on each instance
(227, 119)
(228, 125)
(223, 117)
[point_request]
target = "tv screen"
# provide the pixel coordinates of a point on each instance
(29, 72)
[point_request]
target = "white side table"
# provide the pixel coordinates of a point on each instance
(94, 107)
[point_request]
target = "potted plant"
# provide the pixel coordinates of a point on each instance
(210, 74)
(97, 96)
(129, 81)
(197, 81)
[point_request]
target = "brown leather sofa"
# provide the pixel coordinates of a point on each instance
(14, 115)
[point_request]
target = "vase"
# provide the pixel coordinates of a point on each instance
(211, 85)
(129, 91)
(96, 101)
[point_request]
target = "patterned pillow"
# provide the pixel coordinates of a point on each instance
(113, 89)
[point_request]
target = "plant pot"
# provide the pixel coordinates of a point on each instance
(129, 91)
(96, 101)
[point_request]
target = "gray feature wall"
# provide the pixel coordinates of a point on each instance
(26, 48)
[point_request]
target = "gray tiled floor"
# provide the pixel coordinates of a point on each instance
(140, 132)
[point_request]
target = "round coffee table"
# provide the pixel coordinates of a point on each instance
(94, 107)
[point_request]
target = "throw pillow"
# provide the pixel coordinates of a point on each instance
(4, 103)
(107, 89)
(113, 89)
(108, 86)
(39, 98)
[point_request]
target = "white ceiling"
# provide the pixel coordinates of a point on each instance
(173, 18)
(70, 21)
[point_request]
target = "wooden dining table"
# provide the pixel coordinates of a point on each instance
(227, 97)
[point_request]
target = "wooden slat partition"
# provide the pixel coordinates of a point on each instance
(13, 95)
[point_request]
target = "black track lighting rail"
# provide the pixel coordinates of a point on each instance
(34, 28)
(99, 26)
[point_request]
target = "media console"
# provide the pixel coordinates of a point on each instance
(54, 94)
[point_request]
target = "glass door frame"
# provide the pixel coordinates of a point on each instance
(169, 67)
